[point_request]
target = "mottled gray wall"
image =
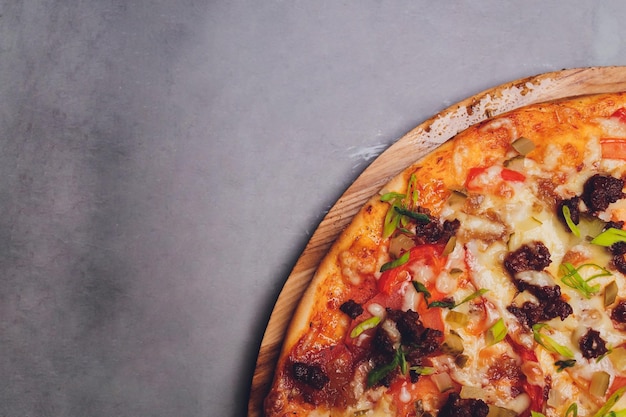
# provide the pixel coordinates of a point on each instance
(163, 163)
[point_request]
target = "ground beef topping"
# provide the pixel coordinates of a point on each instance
(383, 344)
(435, 231)
(352, 309)
(311, 375)
(619, 312)
(533, 256)
(601, 190)
(408, 323)
(416, 343)
(574, 211)
(456, 406)
(591, 344)
(619, 256)
(550, 305)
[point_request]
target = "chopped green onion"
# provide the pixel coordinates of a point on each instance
(523, 145)
(497, 332)
(392, 196)
(419, 287)
(391, 221)
(572, 278)
(410, 189)
(396, 263)
(549, 343)
(376, 374)
(561, 365)
(609, 237)
(402, 361)
(570, 223)
(613, 399)
(473, 295)
(365, 325)
(451, 304)
(536, 414)
(419, 217)
(573, 410)
(422, 370)
(398, 214)
(620, 413)
(442, 304)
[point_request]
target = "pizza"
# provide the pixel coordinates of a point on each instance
(486, 279)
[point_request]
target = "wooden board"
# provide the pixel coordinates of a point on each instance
(412, 146)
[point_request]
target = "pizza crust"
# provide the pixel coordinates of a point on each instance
(573, 129)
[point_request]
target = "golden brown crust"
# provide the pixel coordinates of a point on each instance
(564, 125)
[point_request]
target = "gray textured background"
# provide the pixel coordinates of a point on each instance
(163, 164)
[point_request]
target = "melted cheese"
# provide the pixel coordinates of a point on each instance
(501, 217)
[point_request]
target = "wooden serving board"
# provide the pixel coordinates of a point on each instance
(412, 146)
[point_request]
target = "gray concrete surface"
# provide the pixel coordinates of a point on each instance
(163, 163)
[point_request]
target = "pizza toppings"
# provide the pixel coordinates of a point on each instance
(601, 190)
(550, 305)
(533, 256)
(619, 312)
(311, 375)
(592, 345)
(523, 145)
(568, 211)
(436, 232)
(455, 406)
(618, 249)
(402, 341)
(494, 286)
(352, 309)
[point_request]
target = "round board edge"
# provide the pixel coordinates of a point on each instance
(413, 145)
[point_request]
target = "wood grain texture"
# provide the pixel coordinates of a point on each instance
(411, 147)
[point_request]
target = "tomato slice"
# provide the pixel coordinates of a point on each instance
(428, 255)
(620, 114)
(510, 175)
(392, 279)
(505, 174)
(613, 148)
(472, 174)
(535, 392)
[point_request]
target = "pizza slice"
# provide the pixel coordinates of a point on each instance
(487, 279)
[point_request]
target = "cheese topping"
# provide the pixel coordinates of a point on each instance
(498, 297)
